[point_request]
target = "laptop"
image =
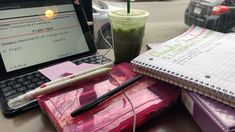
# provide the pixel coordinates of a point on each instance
(35, 34)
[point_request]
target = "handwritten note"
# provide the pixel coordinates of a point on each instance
(199, 56)
(189, 45)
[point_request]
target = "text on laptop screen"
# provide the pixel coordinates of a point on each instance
(30, 36)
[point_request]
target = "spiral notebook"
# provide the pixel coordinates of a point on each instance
(200, 60)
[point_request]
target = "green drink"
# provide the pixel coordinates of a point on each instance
(127, 32)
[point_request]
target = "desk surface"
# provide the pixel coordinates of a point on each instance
(165, 22)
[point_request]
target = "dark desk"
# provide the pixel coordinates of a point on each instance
(165, 22)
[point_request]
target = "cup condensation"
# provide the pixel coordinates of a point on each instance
(127, 33)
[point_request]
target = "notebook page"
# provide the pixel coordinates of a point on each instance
(199, 53)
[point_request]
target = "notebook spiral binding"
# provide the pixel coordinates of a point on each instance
(198, 86)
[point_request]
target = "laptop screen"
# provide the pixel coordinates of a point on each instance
(37, 32)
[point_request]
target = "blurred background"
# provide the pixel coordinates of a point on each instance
(166, 19)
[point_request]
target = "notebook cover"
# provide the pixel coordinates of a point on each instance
(115, 114)
(210, 115)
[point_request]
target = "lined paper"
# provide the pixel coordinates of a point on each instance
(201, 55)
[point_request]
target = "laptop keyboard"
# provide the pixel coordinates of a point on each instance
(95, 59)
(16, 86)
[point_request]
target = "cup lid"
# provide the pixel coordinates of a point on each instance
(134, 13)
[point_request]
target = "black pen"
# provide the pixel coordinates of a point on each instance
(104, 97)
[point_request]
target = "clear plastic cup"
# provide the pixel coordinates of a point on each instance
(127, 33)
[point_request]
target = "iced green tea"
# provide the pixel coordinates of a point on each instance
(127, 33)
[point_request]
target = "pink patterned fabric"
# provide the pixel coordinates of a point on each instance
(115, 114)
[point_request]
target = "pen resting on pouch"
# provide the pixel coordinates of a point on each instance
(52, 86)
(105, 96)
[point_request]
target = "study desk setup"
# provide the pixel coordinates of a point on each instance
(176, 119)
(161, 26)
